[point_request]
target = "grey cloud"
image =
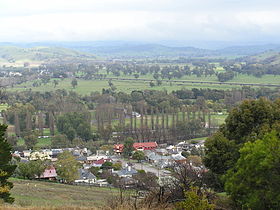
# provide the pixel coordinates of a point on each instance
(153, 19)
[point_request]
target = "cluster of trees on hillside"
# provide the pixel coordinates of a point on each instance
(6, 167)
(254, 67)
(243, 155)
(75, 125)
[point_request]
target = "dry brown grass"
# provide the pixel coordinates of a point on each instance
(47, 208)
(46, 195)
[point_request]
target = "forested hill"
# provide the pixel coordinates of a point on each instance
(258, 65)
(12, 54)
(248, 50)
(123, 49)
(266, 58)
(145, 50)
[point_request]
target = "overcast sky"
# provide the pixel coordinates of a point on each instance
(142, 20)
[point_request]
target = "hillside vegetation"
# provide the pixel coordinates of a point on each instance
(12, 55)
(269, 57)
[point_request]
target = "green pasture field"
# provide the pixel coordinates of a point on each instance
(239, 78)
(87, 86)
(265, 79)
(30, 193)
(42, 142)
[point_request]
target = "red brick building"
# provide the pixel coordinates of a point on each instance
(118, 148)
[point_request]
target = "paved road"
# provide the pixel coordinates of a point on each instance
(146, 167)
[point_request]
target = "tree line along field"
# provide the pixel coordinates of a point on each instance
(87, 86)
(31, 193)
(216, 120)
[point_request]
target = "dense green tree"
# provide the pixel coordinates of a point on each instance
(70, 133)
(6, 168)
(152, 84)
(128, 147)
(75, 124)
(67, 167)
(249, 121)
(225, 76)
(30, 140)
(117, 166)
(21, 115)
(221, 153)
(32, 169)
(195, 201)
(107, 165)
(138, 155)
(55, 83)
(12, 140)
(136, 76)
(51, 123)
(74, 83)
(188, 129)
(60, 141)
(254, 182)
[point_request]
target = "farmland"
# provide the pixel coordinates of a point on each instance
(87, 86)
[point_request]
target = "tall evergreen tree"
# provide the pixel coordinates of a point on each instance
(17, 125)
(51, 123)
(6, 169)
(41, 123)
(28, 121)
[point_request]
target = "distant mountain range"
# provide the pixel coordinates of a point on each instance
(123, 49)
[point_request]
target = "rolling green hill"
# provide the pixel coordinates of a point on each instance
(131, 49)
(269, 58)
(144, 50)
(11, 54)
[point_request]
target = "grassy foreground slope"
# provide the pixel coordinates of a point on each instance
(46, 194)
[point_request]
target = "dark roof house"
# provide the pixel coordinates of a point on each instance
(127, 172)
(85, 176)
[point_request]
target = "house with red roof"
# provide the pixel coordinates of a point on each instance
(49, 173)
(118, 148)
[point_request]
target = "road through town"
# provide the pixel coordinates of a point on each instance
(146, 167)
